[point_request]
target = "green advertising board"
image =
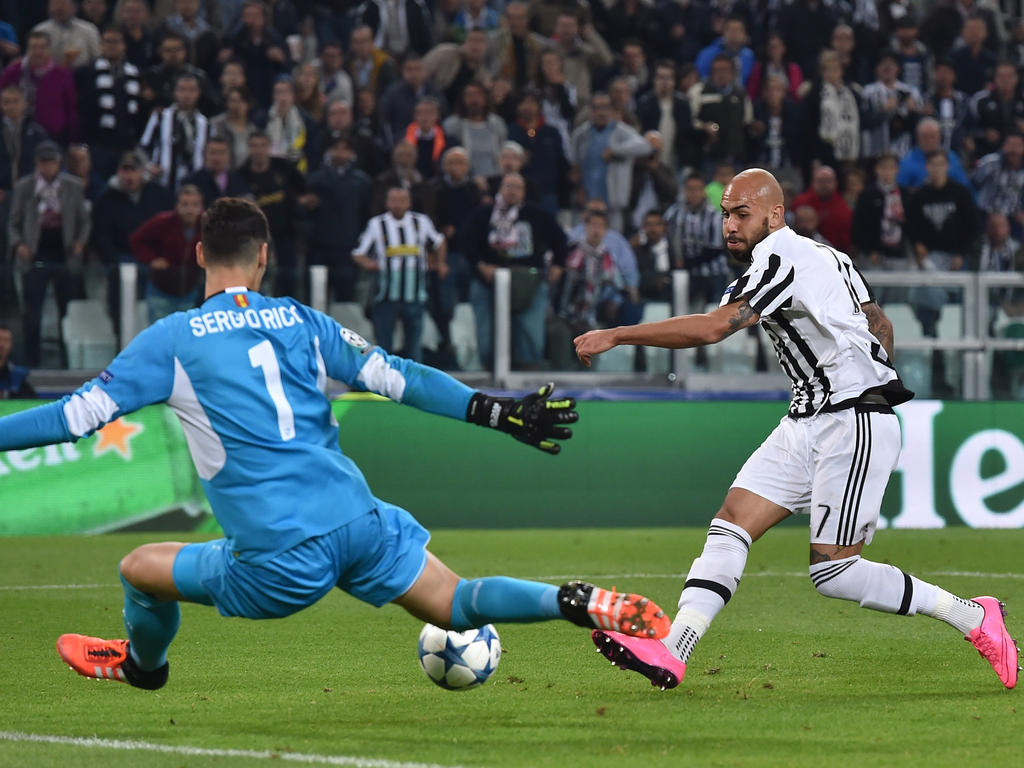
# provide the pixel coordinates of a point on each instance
(629, 464)
(134, 469)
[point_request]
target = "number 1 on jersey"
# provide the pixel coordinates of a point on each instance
(262, 356)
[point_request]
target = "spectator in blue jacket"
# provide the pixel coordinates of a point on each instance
(13, 378)
(999, 179)
(912, 171)
(9, 48)
(732, 43)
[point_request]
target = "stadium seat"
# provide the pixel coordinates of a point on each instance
(904, 322)
(350, 314)
(49, 328)
(463, 330)
(656, 310)
(737, 355)
(951, 322)
(658, 360)
(88, 334)
(915, 365)
(1002, 320)
(615, 360)
(1015, 360)
(1010, 362)
(431, 336)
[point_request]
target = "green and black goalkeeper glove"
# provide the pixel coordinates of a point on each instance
(534, 419)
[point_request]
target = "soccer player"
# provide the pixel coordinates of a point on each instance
(246, 376)
(832, 452)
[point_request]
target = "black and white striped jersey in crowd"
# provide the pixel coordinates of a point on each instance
(696, 234)
(809, 298)
(400, 247)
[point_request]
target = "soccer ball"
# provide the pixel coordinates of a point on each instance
(459, 661)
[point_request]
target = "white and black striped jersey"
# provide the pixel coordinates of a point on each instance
(400, 247)
(176, 142)
(696, 234)
(809, 298)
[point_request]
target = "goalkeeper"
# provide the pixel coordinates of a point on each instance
(246, 376)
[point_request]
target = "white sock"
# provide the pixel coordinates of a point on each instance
(687, 628)
(883, 587)
(963, 615)
(711, 582)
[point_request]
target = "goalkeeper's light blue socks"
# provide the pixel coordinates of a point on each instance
(501, 599)
(151, 626)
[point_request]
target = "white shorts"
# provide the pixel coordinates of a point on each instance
(834, 466)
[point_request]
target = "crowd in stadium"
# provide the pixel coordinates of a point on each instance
(412, 147)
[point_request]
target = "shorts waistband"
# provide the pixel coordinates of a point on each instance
(869, 402)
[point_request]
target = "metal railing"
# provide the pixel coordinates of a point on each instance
(974, 341)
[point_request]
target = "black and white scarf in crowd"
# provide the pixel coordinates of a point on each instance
(111, 114)
(175, 141)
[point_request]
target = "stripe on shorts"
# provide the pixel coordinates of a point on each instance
(855, 481)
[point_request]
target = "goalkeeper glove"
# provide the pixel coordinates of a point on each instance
(534, 419)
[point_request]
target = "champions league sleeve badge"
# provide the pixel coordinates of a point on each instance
(353, 339)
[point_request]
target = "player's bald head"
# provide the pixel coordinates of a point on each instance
(755, 186)
(752, 208)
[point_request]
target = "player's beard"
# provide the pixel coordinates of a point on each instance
(747, 255)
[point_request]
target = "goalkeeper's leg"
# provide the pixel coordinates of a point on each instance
(151, 617)
(441, 597)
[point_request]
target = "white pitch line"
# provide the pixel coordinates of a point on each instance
(595, 576)
(22, 587)
(145, 746)
(768, 574)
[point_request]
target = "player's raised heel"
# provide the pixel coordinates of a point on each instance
(101, 659)
(648, 657)
(631, 614)
(993, 641)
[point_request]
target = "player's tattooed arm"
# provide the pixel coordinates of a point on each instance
(742, 316)
(880, 326)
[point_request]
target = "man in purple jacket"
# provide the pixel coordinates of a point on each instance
(49, 89)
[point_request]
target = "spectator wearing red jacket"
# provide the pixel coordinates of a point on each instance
(834, 214)
(167, 244)
(49, 89)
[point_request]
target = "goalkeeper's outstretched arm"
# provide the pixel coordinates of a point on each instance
(536, 419)
(142, 374)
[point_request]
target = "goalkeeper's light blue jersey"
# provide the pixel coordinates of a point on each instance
(246, 375)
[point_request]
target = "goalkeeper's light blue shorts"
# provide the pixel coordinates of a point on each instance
(376, 558)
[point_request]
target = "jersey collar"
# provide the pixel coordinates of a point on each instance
(232, 289)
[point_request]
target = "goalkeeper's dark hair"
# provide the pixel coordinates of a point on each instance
(233, 231)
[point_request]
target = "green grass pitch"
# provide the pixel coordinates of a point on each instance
(784, 677)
